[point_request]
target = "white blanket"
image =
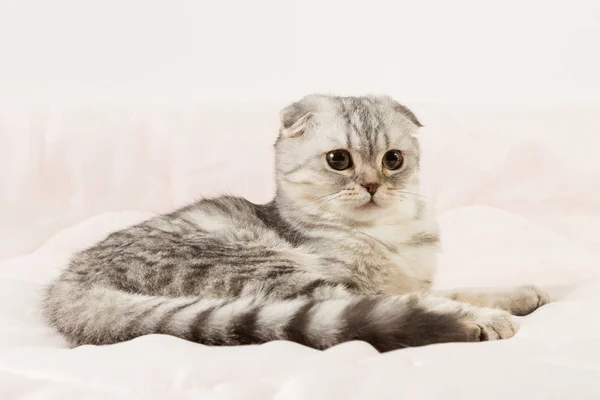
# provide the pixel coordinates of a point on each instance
(517, 194)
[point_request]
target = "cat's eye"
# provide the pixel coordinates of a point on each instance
(393, 159)
(339, 160)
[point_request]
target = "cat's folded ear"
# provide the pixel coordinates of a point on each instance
(405, 112)
(295, 118)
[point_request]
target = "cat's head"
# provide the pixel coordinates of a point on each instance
(352, 159)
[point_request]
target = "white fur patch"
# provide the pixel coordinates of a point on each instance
(274, 317)
(212, 222)
(325, 321)
(221, 318)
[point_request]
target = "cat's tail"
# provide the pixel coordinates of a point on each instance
(98, 315)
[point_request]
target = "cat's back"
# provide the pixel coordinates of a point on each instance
(233, 219)
(217, 224)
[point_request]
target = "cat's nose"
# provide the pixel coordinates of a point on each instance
(371, 187)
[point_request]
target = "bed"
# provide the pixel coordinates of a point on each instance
(516, 189)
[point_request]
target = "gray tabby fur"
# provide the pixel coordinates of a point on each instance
(318, 265)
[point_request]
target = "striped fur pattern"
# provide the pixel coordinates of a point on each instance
(323, 263)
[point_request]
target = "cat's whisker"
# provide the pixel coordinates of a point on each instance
(405, 192)
(330, 194)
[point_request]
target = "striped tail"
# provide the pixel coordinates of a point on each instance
(104, 316)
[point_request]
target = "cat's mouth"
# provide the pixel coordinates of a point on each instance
(371, 204)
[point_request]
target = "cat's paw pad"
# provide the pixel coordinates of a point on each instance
(527, 299)
(490, 324)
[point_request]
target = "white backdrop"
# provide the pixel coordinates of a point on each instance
(471, 51)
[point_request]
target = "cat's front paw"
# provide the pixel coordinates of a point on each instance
(526, 299)
(490, 324)
(480, 323)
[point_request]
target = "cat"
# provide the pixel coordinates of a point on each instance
(345, 251)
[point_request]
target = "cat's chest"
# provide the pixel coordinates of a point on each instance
(389, 258)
